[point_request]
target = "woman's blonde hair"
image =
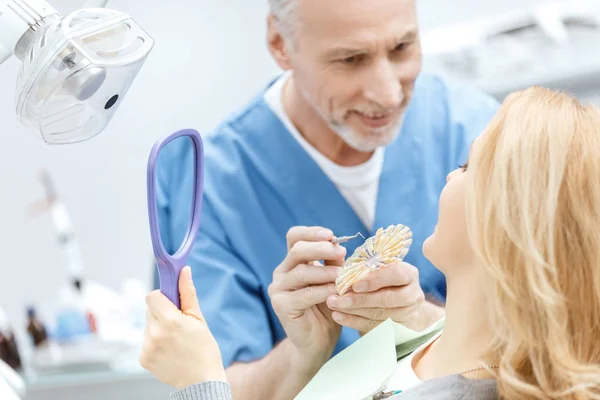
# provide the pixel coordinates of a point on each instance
(533, 210)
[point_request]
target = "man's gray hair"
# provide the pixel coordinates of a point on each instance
(283, 11)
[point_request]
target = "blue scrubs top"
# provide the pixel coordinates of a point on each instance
(259, 182)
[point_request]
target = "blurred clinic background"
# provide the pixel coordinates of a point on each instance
(210, 57)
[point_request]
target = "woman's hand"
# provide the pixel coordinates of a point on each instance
(179, 348)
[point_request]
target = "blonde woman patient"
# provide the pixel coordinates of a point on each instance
(518, 239)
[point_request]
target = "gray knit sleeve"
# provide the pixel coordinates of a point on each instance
(210, 390)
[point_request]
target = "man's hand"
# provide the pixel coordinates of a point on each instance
(389, 292)
(299, 291)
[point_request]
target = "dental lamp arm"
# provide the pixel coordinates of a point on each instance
(5, 53)
(16, 18)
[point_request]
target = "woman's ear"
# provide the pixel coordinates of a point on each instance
(278, 43)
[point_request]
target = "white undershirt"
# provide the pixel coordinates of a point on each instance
(358, 184)
(404, 377)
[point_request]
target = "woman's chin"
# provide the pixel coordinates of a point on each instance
(428, 245)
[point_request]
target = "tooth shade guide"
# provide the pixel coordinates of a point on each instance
(384, 248)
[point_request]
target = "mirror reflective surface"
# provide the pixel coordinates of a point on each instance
(175, 180)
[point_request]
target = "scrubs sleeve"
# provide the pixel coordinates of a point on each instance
(229, 292)
(471, 112)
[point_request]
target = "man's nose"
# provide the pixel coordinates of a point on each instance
(383, 86)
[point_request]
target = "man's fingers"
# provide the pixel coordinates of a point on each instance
(308, 234)
(304, 252)
(308, 275)
(161, 307)
(399, 314)
(361, 324)
(398, 274)
(383, 298)
(309, 296)
(375, 314)
(187, 293)
(338, 262)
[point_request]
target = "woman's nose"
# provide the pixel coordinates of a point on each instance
(451, 174)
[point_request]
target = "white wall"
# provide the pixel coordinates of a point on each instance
(200, 70)
(433, 13)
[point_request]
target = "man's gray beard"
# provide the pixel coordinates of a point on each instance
(352, 139)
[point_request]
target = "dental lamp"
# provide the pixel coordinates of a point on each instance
(75, 70)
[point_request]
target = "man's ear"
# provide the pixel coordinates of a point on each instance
(277, 44)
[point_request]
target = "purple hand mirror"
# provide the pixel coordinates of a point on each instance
(170, 265)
